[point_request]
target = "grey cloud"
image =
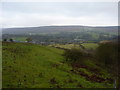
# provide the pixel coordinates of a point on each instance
(94, 11)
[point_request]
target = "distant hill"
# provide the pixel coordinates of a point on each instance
(57, 29)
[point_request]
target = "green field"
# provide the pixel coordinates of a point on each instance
(20, 38)
(34, 66)
(66, 46)
(69, 46)
(90, 45)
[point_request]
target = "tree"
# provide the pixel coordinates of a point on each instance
(11, 40)
(5, 39)
(28, 40)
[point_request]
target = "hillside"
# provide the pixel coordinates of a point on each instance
(48, 35)
(57, 29)
(79, 46)
(36, 66)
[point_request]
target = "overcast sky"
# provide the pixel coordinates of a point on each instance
(29, 14)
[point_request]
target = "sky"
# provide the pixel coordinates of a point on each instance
(34, 14)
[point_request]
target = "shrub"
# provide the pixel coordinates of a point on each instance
(5, 39)
(28, 40)
(11, 40)
(74, 55)
(107, 54)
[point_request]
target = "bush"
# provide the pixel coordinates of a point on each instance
(107, 53)
(5, 39)
(74, 55)
(28, 40)
(11, 40)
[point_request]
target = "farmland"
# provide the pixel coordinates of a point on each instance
(79, 46)
(90, 45)
(66, 46)
(19, 38)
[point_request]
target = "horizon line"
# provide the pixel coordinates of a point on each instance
(60, 25)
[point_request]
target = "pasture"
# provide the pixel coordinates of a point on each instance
(28, 65)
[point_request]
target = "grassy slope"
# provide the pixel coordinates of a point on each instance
(29, 65)
(66, 46)
(90, 45)
(69, 46)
